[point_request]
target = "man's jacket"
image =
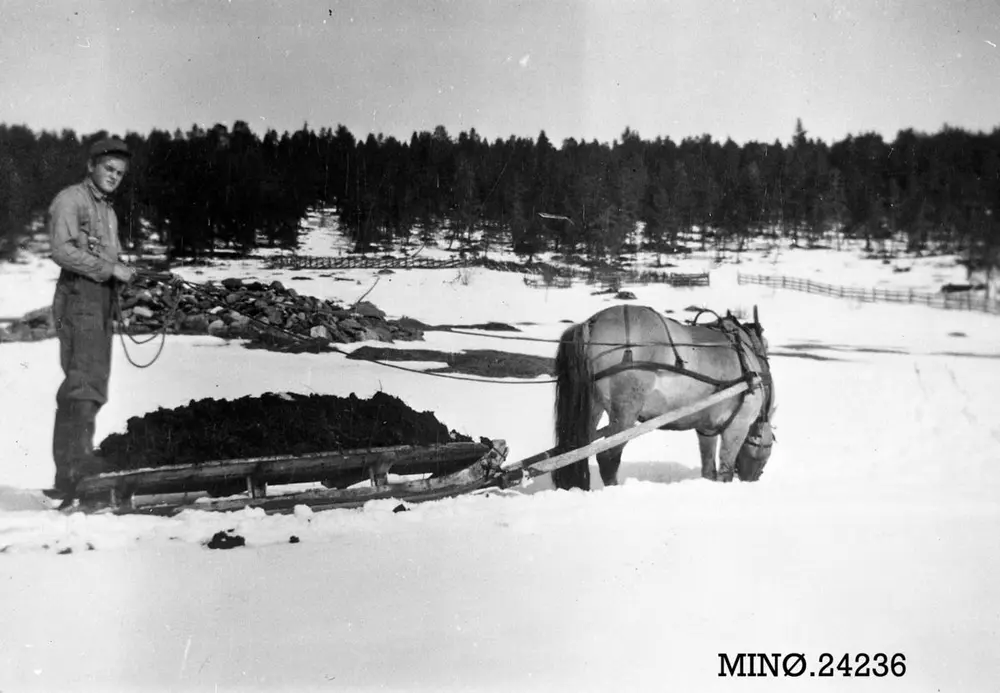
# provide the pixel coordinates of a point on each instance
(83, 229)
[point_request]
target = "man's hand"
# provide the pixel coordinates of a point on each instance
(161, 277)
(123, 273)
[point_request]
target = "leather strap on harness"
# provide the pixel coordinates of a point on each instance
(670, 338)
(680, 370)
(627, 355)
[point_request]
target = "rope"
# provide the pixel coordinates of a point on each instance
(156, 356)
(557, 341)
(161, 333)
(370, 290)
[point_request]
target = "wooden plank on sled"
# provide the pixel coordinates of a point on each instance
(545, 462)
(482, 473)
(283, 469)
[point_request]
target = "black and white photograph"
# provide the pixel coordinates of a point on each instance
(499, 345)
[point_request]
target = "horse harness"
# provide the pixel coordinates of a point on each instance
(739, 336)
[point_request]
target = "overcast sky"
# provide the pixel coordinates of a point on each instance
(583, 69)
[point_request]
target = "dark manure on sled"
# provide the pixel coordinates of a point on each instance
(272, 424)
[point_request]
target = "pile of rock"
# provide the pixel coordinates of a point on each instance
(31, 327)
(269, 315)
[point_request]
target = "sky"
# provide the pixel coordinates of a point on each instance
(746, 70)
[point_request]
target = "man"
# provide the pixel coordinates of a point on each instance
(84, 236)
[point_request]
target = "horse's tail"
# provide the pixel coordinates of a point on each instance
(574, 387)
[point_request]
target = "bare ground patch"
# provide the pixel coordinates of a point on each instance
(486, 326)
(482, 362)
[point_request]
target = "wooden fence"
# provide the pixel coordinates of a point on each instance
(952, 301)
(617, 279)
(542, 274)
(361, 262)
(672, 278)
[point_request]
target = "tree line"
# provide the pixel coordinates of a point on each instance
(206, 188)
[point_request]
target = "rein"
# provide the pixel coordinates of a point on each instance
(161, 332)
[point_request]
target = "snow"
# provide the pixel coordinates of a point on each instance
(873, 530)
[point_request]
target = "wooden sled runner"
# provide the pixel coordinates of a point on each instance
(454, 468)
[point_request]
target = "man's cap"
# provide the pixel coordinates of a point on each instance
(110, 145)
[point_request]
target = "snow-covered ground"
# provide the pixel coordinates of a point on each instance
(874, 529)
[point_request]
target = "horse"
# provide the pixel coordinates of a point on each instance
(634, 364)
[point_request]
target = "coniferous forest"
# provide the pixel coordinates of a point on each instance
(206, 189)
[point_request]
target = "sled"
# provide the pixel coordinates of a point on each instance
(453, 468)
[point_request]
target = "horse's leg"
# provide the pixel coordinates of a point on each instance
(707, 445)
(622, 416)
(609, 461)
(732, 440)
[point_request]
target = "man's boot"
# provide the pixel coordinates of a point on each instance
(82, 461)
(62, 442)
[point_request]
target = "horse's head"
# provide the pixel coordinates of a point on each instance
(755, 452)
